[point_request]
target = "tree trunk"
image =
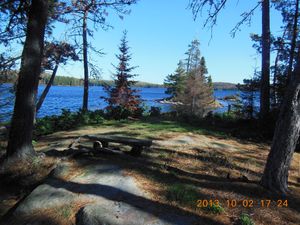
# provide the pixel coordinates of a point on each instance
(20, 136)
(47, 88)
(293, 43)
(274, 96)
(193, 105)
(188, 64)
(285, 138)
(265, 67)
(279, 51)
(85, 65)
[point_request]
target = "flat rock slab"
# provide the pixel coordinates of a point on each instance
(92, 194)
(201, 141)
(177, 141)
(120, 213)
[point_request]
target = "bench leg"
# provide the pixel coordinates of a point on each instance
(136, 150)
(97, 145)
(104, 144)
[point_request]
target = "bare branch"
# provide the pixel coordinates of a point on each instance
(198, 6)
(213, 9)
(246, 17)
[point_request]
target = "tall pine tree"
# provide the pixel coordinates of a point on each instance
(123, 100)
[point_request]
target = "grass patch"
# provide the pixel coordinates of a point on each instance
(163, 155)
(34, 142)
(182, 194)
(65, 212)
(150, 129)
(215, 209)
(245, 219)
(146, 127)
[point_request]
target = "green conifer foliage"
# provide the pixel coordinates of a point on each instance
(175, 82)
(123, 100)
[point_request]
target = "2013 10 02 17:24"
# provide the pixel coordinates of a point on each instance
(246, 203)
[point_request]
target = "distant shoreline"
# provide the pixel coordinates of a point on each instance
(138, 86)
(147, 86)
(73, 81)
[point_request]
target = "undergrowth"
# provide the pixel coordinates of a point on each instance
(182, 194)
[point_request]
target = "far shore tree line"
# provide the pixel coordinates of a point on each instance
(73, 81)
(31, 24)
(11, 77)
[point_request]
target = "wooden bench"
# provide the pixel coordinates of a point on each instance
(137, 145)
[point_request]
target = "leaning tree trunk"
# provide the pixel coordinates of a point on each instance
(20, 136)
(85, 64)
(293, 42)
(265, 68)
(285, 137)
(47, 88)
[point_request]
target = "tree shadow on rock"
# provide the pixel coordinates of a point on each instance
(168, 213)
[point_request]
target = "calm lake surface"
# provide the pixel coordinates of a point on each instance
(70, 97)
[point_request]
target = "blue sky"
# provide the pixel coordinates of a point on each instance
(159, 32)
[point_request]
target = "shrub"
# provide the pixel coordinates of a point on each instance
(138, 112)
(83, 118)
(67, 120)
(118, 113)
(90, 117)
(44, 126)
(97, 116)
(245, 219)
(155, 111)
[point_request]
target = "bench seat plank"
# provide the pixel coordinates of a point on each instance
(120, 139)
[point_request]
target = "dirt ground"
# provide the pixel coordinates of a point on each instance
(211, 167)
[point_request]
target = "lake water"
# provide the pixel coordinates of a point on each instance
(70, 97)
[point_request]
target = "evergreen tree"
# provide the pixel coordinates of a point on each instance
(191, 88)
(193, 56)
(209, 82)
(248, 97)
(175, 82)
(204, 71)
(203, 68)
(122, 100)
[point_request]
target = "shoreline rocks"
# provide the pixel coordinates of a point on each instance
(216, 104)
